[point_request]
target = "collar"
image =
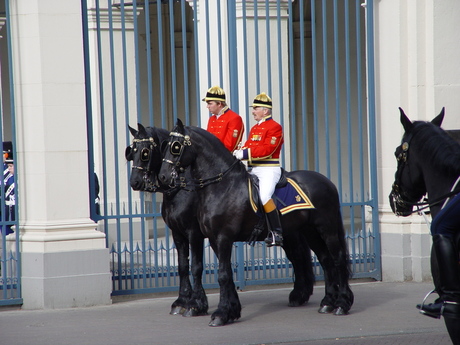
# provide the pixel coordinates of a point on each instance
(224, 109)
(266, 118)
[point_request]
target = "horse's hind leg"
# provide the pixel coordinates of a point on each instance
(332, 254)
(299, 253)
(198, 303)
(339, 270)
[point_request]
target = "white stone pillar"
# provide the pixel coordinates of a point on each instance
(64, 259)
(415, 52)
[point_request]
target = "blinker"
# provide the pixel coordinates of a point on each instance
(176, 148)
(145, 155)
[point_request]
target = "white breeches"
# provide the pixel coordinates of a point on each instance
(268, 178)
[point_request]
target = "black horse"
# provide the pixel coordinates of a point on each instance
(179, 213)
(428, 162)
(225, 215)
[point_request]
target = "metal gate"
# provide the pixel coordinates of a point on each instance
(10, 256)
(151, 62)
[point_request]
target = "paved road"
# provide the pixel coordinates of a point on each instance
(383, 313)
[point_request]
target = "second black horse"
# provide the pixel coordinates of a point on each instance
(225, 215)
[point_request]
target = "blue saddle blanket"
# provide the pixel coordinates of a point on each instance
(287, 199)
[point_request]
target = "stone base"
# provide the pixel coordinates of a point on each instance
(66, 279)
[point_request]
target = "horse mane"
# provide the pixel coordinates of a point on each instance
(437, 146)
(220, 148)
(157, 133)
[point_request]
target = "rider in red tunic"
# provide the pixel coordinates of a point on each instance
(224, 123)
(262, 152)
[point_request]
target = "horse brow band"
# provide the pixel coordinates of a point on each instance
(175, 134)
(141, 140)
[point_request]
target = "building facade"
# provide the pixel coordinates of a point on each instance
(52, 60)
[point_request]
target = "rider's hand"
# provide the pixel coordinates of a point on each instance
(238, 154)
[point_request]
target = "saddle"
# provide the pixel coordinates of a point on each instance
(288, 197)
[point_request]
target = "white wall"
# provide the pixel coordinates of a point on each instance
(417, 69)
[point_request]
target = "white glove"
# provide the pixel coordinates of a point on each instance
(238, 154)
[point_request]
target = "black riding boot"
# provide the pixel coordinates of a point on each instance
(449, 276)
(275, 237)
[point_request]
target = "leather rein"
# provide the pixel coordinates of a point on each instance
(177, 149)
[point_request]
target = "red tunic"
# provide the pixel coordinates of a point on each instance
(228, 128)
(264, 143)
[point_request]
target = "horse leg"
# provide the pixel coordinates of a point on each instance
(331, 254)
(341, 273)
(229, 308)
(198, 304)
(185, 289)
(300, 257)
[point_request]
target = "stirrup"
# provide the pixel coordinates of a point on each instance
(427, 313)
(274, 239)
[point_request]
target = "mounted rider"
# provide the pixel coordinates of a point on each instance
(224, 123)
(262, 152)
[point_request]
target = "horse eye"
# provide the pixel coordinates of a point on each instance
(145, 155)
(176, 148)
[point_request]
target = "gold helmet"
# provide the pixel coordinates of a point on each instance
(215, 93)
(262, 100)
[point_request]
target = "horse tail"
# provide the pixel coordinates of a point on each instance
(343, 243)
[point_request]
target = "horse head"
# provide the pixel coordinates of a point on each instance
(409, 185)
(177, 155)
(144, 152)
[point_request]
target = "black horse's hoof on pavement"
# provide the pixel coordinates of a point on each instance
(217, 321)
(325, 309)
(339, 311)
(193, 312)
(177, 310)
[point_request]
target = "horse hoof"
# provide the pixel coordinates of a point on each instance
(177, 310)
(192, 312)
(216, 322)
(325, 309)
(339, 311)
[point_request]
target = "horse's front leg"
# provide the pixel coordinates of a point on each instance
(179, 306)
(229, 308)
(198, 304)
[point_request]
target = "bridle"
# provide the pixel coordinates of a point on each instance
(146, 156)
(177, 145)
(403, 199)
(145, 152)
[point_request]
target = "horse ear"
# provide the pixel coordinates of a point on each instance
(407, 124)
(142, 131)
(132, 130)
(438, 119)
(180, 126)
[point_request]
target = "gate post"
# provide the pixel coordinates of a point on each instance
(64, 259)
